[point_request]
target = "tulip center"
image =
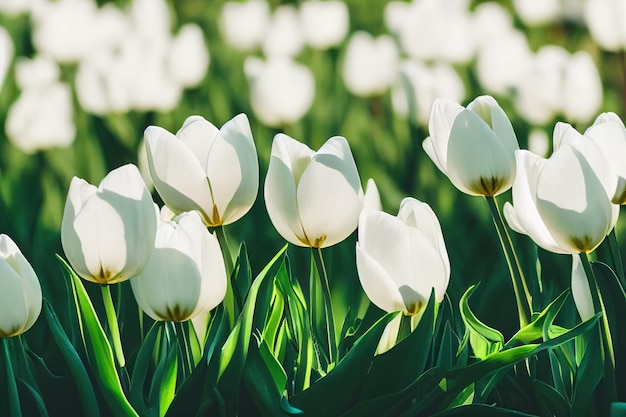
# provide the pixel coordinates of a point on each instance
(583, 244)
(175, 313)
(317, 243)
(487, 186)
(413, 301)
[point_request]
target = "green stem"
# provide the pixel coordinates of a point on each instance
(405, 327)
(109, 308)
(229, 298)
(15, 409)
(605, 332)
(328, 305)
(524, 303)
(617, 258)
(182, 335)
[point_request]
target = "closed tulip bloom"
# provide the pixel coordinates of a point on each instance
(313, 198)
(108, 231)
(561, 202)
(20, 298)
(185, 275)
(473, 146)
(214, 171)
(400, 260)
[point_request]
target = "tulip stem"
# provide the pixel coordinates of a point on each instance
(15, 409)
(524, 303)
(229, 298)
(114, 329)
(617, 258)
(181, 329)
(605, 332)
(328, 305)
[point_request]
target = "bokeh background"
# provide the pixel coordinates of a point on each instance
(81, 80)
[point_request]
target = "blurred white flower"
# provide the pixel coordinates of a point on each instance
(439, 30)
(66, 29)
(538, 142)
(490, 20)
(284, 36)
(324, 23)
(394, 15)
(151, 18)
(281, 90)
(605, 19)
(16, 7)
(370, 64)
(559, 83)
(188, 56)
(243, 24)
(423, 84)
(36, 72)
(537, 12)
(42, 118)
(6, 54)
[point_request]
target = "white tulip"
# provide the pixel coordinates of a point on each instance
(324, 23)
(400, 260)
(185, 275)
(281, 90)
(20, 298)
(108, 232)
(7, 51)
(188, 56)
(537, 12)
(243, 25)
(473, 146)
(313, 198)
(214, 171)
(284, 37)
(370, 65)
(605, 19)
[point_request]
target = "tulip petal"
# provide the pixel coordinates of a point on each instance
(233, 169)
(442, 116)
(13, 308)
(523, 216)
(198, 134)
(78, 193)
(329, 195)
(371, 198)
(572, 201)
(180, 180)
(429, 148)
(377, 284)
(478, 162)
(429, 269)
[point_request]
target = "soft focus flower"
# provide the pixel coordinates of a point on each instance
(313, 198)
(473, 146)
(42, 119)
(151, 18)
(538, 142)
(188, 56)
(214, 171)
(244, 24)
(605, 19)
(370, 65)
(537, 12)
(284, 36)
(108, 232)
(324, 23)
(419, 85)
(15, 7)
(371, 198)
(20, 298)
(561, 202)
(580, 290)
(281, 90)
(6, 54)
(400, 260)
(559, 83)
(185, 275)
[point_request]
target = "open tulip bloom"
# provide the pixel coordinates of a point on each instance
(185, 275)
(313, 198)
(563, 203)
(400, 260)
(20, 298)
(108, 231)
(214, 171)
(473, 146)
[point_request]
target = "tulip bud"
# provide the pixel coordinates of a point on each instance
(202, 168)
(20, 298)
(108, 232)
(185, 275)
(313, 198)
(401, 259)
(473, 146)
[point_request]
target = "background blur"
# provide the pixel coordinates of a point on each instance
(81, 80)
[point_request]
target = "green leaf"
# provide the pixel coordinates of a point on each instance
(98, 349)
(15, 409)
(480, 410)
(338, 390)
(79, 373)
(550, 401)
(588, 374)
(167, 378)
(536, 329)
(407, 359)
(140, 370)
(483, 339)
(39, 402)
